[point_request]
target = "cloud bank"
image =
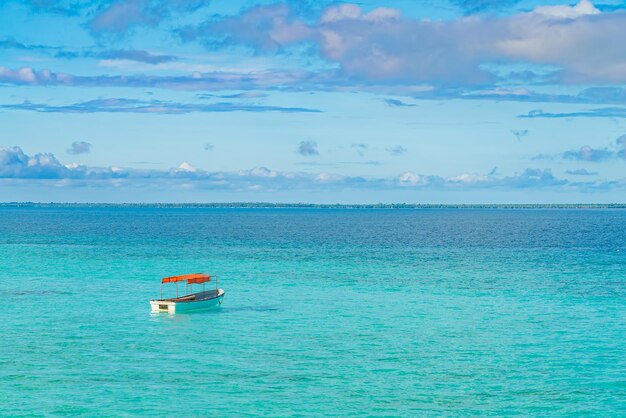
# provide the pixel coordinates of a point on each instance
(554, 44)
(17, 165)
(383, 45)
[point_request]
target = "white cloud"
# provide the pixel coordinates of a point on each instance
(468, 178)
(410, 178)
(24, 75)
(583, 8)
(14, 163)
(187, 168)
(329, 178)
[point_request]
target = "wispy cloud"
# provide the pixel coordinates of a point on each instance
(134, 55)
(79, 147)
(255, 80)
(120, 105)
(11, 43)
(69, 8)
(360, 148)
(242, 95)
(591, 95)
(254, 84)
(397, 103)
(308, 148)
(581, 172)
(339, 164)
(519, 134)
(470, 7)
(605, 112)
(397, 150)
(137, 55)
(120, 16)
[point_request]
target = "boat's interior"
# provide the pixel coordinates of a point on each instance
(194, 297)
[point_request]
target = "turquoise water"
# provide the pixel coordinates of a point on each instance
(327, 312)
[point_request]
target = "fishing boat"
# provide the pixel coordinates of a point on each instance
(190, 301)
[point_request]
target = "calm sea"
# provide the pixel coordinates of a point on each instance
(327, 312)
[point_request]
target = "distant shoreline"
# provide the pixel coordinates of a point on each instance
(265, 205)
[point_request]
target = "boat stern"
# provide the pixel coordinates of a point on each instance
(162, 306)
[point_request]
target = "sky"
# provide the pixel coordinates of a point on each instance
(416, 101)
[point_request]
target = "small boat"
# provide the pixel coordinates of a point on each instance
(206, 299)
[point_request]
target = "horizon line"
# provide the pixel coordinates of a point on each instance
(303, 205)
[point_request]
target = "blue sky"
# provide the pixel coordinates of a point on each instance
(458, 101)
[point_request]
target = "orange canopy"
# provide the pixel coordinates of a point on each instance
(191, 278)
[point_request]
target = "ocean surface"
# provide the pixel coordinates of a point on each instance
(328, 312)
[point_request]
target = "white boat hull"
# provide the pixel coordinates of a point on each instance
(195, 302)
